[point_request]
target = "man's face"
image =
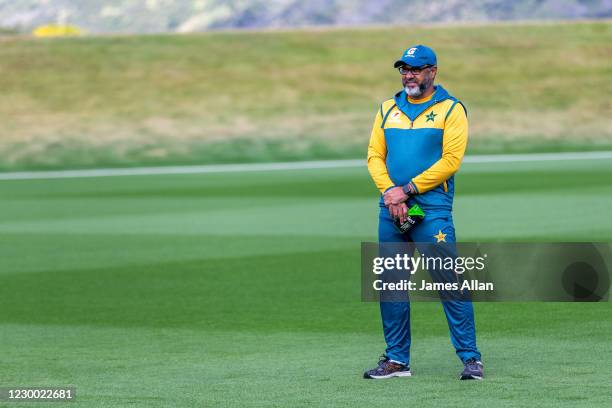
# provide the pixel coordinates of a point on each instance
(417, 80)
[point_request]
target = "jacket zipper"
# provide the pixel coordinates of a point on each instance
(419, 115)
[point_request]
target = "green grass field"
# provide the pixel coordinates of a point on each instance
(243, 289)
(291, 95)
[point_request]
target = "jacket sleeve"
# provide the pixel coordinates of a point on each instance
(454, 142)
(377, 155)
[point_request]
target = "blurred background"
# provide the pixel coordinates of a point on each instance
(240, 84)
(242, 288)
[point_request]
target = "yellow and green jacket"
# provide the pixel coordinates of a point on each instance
(419, 142)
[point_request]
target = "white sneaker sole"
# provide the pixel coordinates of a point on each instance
(471, 377)
(397, 374)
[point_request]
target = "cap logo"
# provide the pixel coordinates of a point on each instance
(411, 51)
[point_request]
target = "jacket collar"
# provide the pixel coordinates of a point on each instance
(413, 110)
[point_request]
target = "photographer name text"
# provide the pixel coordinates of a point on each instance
(472, 285)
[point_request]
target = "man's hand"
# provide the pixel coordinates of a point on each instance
(399, 211)
(395, 196)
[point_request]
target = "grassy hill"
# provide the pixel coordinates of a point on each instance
(257, 96)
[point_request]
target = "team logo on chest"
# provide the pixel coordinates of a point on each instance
(395, 117)
(431, 116)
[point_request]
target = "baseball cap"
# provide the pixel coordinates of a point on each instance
(417, 56)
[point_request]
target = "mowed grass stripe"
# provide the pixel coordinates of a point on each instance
(308, 165)
(300, 217)
(213, 190)
(547, 214)
(89, 252)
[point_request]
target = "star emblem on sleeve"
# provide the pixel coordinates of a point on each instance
(431, 116)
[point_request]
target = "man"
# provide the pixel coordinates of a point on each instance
(418, 141)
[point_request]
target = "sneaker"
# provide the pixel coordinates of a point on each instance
(473, 370)
(387, 369)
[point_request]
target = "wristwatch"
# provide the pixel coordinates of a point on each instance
(408, 189)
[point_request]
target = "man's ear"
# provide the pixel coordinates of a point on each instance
(434, 71)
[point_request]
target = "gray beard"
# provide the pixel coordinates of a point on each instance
(418, 91)
(412, 92)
